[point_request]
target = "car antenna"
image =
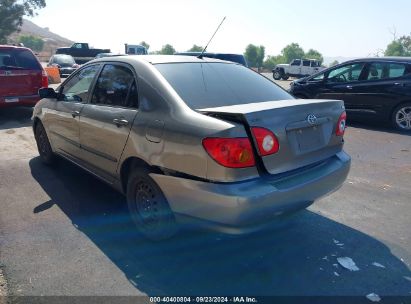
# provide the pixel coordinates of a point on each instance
(202, 53)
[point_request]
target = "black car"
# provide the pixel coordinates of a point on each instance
(65, 64)
(237, 58)
(376, 88)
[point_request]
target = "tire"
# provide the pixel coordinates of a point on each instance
(43, 145)
(285, 76)
(401, 117)
(277, 74)
(148, 207)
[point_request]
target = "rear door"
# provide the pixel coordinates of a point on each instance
(63, 123)
(106, 121)
(20, 74)
(380, 90)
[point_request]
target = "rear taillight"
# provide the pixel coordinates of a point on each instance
(341, 124)
(44, 79)
(267, 142)
(230, 152)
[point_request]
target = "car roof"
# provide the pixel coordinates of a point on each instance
(11, 47)
(206, 53)
(159, 59)
(387, 58)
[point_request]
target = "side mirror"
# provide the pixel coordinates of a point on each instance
(47, 93)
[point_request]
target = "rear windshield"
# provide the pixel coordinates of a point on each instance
(18, 59)
(231, 57)
(209, 85)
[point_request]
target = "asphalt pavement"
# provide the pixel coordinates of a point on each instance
(63, 232)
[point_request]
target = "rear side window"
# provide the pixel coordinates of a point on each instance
(18, 59)
(385, 70)
(306, 63)
(115, 86)
(207, 85)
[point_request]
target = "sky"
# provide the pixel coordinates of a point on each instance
(347, 28)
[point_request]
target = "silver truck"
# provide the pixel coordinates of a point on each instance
(297, 68)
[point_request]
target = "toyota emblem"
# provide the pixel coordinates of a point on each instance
(312, 119)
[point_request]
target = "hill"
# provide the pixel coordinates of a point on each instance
(52, 40)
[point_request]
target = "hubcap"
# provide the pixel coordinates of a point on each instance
(403, 118)
(147, 203)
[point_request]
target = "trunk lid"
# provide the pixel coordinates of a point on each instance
(301, 142)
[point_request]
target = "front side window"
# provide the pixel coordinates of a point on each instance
(115, 86)
(296, 62)
(78, 87)
(346, 73)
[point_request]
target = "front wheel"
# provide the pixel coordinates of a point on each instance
(148, 207)
(401, 117)
(277, 75)
(43, 145)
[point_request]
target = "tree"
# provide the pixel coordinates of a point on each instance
(272, 61)
(196, 48)
(12, 12)
(335, 62)
(32, 42)
(167, 49)
(145, 44)
(254, 55)
(399, 47)
(292, 51)
(314, 54)
(260, 56)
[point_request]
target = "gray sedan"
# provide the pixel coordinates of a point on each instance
(197, 140)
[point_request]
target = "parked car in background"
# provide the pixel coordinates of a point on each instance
(194, 139)
(65, 63)
(371, 88)
(238, 58)
(102, 55)
(297, 68)
(135, 49)
(21, 76)
(81, 52)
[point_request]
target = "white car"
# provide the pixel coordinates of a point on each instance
(297, 68)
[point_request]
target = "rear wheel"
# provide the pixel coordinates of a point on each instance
(401, 117)
(148, 206)
(277, 75)
(43, 145)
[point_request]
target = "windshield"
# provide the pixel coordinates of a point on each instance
(208, 85)
(64, 60)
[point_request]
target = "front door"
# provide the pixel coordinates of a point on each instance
(106, 121)
(64, 120)
(340, 83)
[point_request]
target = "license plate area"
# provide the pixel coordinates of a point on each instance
(309, 139)
(11, 99)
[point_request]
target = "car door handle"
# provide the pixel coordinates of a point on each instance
(75, 113)
(349, 87)
(120, 122)
(399, 84)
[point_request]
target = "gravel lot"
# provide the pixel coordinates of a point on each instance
(62, 232)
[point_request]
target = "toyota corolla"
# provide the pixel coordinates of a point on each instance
(194, 139)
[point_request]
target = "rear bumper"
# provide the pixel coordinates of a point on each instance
(13, 101)
(246, 206)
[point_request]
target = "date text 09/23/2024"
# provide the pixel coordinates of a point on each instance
(203, 300)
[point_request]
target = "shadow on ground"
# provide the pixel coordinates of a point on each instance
(15, 117)
(299, 259)
(376, 126)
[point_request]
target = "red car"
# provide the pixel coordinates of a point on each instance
(21, 76)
